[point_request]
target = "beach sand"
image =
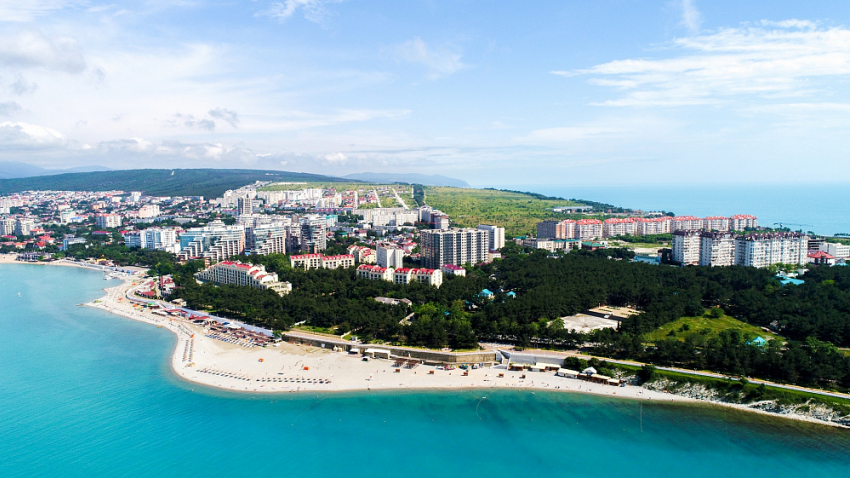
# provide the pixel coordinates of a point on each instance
(291, 368)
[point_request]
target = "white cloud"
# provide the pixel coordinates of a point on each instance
(719, 66)
(691, 16)
(16, 135)
(439, 61)
(336, 158)
(314, 10)
(32, 49)
(28, 10)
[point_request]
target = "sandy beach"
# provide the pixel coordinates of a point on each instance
(294, 368)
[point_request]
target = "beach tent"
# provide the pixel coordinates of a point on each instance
(589, 371)
(538, 368)
(565, 372)
(548, 366)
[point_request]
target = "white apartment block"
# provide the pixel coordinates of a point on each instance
(24, 226)
(318, 261)
(685, 223)
(363, 255)
(148, 211)
(763, 250)
(497, 236)
(388, 255)
(430, 277)
(741, 222)
(215, 241)
(717, 249)
(108, 221)
(154, 238)
(588, 229)
(453, 246)
(237, 273)
(715, 223)
(266, 239)
(657, 225)
(619, 227)
(366, 271)
(839, 251)
(7, 226)
(686, 247)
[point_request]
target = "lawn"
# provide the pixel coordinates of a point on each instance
(518, 213)
(704, 328)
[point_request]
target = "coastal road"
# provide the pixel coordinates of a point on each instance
(721, 376)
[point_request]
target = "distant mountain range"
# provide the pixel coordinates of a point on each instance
(210, 183)
(412, 178)
(15, 169)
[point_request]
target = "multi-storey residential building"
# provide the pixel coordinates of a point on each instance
(588, 229)
(148, 211)
(403, 276)
(497, 236)
(451, 269)
(237, 273)
(108, 221)
(717, 249)
(306, 261)
(313, 234)
(686, 247)
(154, 238)
(763, 250)
(266, 239)
(556, 229)
(539, 243)
(839, 251)
(685, 223)
(656, 225)
(363, 255)
(619, 227)
(69, 241)
(215, 241)
(432, 277)
(244, 206)
(366, 271)
(454, 246)
(342, 261)
(24, 226)
(318, 261)
(390, 256)
(7, 226)
(740, 222)
(715, 223)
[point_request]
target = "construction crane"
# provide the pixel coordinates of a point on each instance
(782, 224)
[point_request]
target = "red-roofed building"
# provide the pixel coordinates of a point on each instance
(822, 258)
(370, 272)
(237, 273)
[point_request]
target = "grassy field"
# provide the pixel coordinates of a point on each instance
(704, 328)
(517, 213)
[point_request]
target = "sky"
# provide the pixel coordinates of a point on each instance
(491, 92)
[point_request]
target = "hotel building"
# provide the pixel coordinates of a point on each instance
(454, 246)
(237, 273)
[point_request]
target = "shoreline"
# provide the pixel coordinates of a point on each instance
(295, 368)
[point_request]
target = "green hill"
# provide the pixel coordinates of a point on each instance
(209, 183)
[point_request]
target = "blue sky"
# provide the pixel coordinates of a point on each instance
(522, 93)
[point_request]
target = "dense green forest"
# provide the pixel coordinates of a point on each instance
(209, 183)
(813, 318)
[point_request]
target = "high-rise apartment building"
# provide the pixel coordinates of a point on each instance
(453, 246)
(389, 255)
(244, 206)
(154, 238)
(313, 234)
(497, 236)
(266, 239)
(691, 247)
(108, 221)
(686, 247)
(717, 249)
(214, 241)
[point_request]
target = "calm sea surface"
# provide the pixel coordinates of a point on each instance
(823, 208)
(84, 393)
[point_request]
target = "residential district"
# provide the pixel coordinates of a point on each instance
(400, 244)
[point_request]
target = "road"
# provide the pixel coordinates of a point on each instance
(398, 198)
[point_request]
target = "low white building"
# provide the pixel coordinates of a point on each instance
(237, 273)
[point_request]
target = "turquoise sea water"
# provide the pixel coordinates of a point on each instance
(85, 393)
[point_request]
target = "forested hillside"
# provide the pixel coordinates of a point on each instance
(209, 183)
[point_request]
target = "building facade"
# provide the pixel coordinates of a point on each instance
(108, 221)
(456, 246)
(388, 255)
(237, 273)
(497, 236)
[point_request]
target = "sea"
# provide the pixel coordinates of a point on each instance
(86, 394)
(820, 208)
